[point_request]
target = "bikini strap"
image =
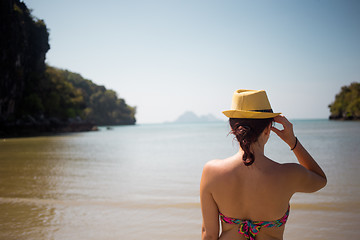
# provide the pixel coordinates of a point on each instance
(250, 228)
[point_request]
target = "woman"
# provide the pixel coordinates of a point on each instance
(248, 191)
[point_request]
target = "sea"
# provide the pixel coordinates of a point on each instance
(142, 181)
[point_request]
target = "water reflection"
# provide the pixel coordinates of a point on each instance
(26, 174)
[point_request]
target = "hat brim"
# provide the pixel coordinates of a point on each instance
(249, 114)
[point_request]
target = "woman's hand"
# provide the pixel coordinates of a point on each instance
(287, 133)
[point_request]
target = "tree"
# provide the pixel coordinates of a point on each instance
(347, 103)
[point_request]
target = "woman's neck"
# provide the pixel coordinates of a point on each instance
(257, 148)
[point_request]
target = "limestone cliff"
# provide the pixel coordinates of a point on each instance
(23, 46)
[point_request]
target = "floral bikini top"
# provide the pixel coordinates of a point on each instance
(250, 228)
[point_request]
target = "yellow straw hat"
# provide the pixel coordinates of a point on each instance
(250, 104)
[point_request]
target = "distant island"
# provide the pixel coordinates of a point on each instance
(37, 98)
(347, 103)
(190, 117)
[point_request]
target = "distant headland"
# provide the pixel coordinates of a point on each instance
(190, 117)
(347, 103)
(36, 98)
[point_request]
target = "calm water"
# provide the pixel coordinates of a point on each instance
(142, 182)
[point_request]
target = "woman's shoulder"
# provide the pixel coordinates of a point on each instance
(291, 167)
(288, 170)
(214, 165)
(302, 179)
(221, 164)
(293, 172)
(285, 168)
(217, 167)
(214, 173)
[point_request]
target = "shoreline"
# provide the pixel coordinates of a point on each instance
(30, 126)
(343, 118)
(32, 130)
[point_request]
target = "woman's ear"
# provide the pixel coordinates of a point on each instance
(267, 130)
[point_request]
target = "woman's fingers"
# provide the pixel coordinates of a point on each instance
(275, 130)
(282, 120)
(287, 133)
(279, 119)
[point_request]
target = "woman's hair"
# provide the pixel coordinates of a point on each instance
(247, 131)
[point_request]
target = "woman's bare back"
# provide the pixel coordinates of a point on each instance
(259, 192)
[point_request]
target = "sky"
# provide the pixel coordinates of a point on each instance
(167, 56)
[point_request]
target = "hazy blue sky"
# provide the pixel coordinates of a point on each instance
(166, 57)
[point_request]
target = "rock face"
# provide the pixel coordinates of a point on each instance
(23, 46)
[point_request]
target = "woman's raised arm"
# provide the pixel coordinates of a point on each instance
(310, 176)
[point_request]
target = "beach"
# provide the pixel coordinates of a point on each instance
(142, 181)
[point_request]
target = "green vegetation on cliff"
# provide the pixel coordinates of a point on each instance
(69, 94)
(347, 103)
(32, 93)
